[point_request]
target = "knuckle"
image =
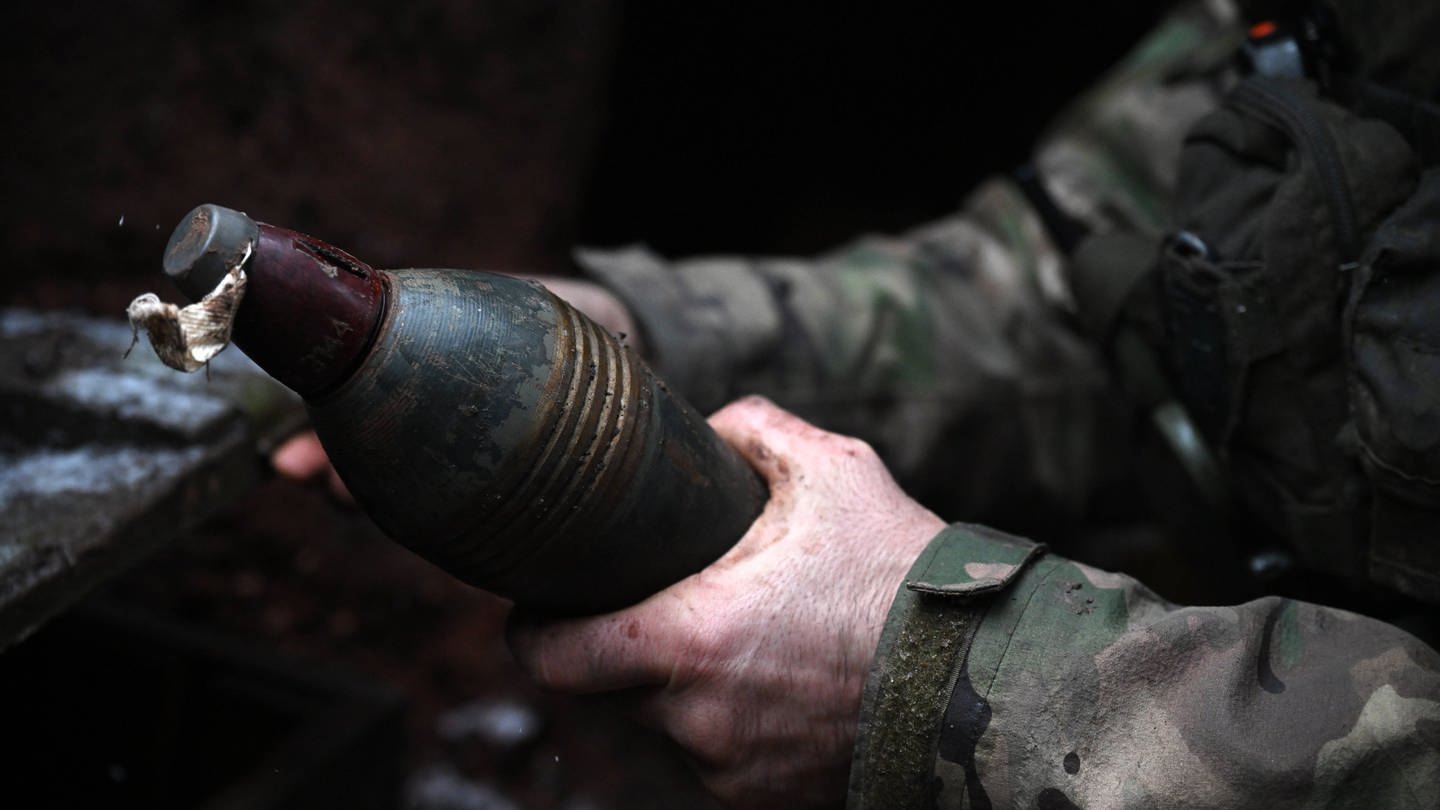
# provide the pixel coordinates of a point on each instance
(709, 732)
(747, 409)
(857, 449)
(532, 665)
(712, 644)
(535, 658)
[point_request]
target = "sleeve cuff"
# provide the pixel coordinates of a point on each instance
(927, 635)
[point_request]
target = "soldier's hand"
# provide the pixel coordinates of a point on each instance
(303, 459)
(756, 664)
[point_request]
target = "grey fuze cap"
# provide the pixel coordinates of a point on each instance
(205, 245)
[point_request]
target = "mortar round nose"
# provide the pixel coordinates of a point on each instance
(205, 245)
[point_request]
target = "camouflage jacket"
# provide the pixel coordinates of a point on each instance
(1008, 675)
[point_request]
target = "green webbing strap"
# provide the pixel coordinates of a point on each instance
(1104, 271)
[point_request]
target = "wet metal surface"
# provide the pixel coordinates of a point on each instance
(104, 458)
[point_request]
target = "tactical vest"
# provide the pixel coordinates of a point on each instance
(1285, 336)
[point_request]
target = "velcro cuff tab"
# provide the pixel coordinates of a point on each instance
(969, 561)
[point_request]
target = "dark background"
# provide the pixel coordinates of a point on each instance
(495, 134)
(499, 134)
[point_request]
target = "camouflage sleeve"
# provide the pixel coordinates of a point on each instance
(1053, 684)
(938, 339)
(951, 343)
(1110, 160)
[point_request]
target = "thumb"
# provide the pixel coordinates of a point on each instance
(620, 650)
